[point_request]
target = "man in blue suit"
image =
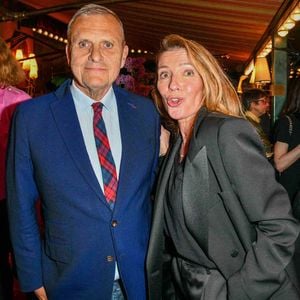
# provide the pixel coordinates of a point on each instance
(89, 250)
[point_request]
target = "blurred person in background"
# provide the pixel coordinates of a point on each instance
(287, 141)
(256, 103)
(11, 74)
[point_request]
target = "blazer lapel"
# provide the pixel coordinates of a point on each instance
(195, 190)
(65, 115)
(134, 143)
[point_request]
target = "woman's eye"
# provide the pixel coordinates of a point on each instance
(84, 44)
(108, 44)
(163, 75)
(189, 72)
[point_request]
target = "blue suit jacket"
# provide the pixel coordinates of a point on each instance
(48, 159)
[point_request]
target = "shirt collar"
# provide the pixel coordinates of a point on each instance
(83, 101)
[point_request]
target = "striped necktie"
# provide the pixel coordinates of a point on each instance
(108, 168)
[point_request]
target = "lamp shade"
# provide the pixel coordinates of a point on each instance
(262, 72)
(33, 73)
(19, 54)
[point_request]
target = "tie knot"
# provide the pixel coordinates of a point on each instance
(97, 107)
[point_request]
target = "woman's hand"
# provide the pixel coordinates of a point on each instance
(164, 141)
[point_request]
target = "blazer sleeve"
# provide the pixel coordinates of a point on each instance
(267, 207)
(21, 198)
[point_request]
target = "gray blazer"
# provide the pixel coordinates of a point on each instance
(238, 213)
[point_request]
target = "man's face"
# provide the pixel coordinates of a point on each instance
(260, 107)
(96, 53)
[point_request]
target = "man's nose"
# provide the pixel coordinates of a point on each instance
(96, 54)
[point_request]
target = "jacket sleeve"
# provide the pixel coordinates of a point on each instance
(267, 207)
(21, 197)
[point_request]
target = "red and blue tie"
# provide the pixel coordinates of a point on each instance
(108, 168)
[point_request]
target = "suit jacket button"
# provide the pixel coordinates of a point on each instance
(234, 253)
(109, 258)
(114, 223)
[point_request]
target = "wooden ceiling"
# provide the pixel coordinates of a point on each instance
(233, 30)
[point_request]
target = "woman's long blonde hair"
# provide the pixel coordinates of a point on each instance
(11, 72)
(219, 93)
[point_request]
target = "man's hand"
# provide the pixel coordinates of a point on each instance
(41, 293)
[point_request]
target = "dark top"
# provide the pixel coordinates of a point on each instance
(183, 243)
(290, 178)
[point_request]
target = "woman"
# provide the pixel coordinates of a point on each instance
(222, 226)
(287, 142)
(11, 74)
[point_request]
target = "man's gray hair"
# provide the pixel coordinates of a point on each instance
(92, 9)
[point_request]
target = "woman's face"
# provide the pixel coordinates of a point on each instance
(180, 85)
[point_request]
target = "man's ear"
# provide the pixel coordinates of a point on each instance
(68, 50)
(124, 56)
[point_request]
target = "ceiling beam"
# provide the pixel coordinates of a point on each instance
(16, 16)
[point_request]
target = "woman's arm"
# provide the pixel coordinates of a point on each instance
(284, 158)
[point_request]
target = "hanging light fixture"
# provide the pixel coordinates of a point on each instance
(295, 15)
(33, 72)
(289, 24)
(19, 54)
(27, 62)
(282, 31)
(262, 72)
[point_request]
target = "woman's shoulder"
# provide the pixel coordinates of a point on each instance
(221, 120)
(14, 93)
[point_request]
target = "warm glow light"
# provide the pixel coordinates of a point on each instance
(289, 24)
(240, 85)
(252, 78)
(295, 15)
(262, 72)
(19, 54)
(27, 62)
(33, 73)
(282, 32)
(249, 68)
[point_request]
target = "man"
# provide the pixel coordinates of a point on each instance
(256, 104)
(95, 241)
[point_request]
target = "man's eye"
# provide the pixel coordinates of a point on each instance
(84, 44)
(163, 75)
(108, 45)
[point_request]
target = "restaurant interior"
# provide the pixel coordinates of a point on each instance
(256, 42)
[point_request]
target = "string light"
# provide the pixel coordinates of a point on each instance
(50, 35)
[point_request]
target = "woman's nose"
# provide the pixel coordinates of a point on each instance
(173, 84)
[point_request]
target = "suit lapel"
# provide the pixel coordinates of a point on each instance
(134, 143)
(65, 116)
(195, 189)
